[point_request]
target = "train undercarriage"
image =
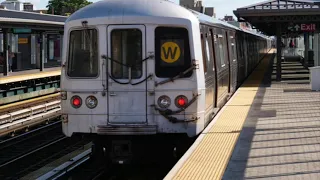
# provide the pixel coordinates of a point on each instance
(140, 149)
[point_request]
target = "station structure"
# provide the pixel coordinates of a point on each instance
(270, 128)
(35, 40)
(288, 19)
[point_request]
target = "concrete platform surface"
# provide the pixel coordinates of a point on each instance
(280, 138)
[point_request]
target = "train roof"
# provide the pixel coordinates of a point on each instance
(116, 8)
(208, 19)
(153, 8)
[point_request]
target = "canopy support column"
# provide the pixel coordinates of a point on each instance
(279, 48)
(41, 51)
(5, 52)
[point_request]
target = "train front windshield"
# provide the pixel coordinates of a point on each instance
(83, 53)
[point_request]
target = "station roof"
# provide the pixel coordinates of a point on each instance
(35, 21)
(266, 15)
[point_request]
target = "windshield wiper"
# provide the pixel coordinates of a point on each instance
(180, 75)
(129, 66)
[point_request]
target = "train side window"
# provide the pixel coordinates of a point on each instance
(215, 42)
(172, 52)
(233, 48)
(126, 48)
(209, 52)
(212, 40)
(221, 50)
(83, 54)
(204, 57)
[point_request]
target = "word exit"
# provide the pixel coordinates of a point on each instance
(302, 27)
(308, 27)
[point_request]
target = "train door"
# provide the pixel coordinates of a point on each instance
(222, 68)
(127, 75)
(241, 58)
(214, 65)
(246, 57)
(229, 60)
(233, 61)
(209, 71)
(226, 71)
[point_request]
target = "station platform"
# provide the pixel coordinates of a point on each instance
(267, 130)
(29, 74)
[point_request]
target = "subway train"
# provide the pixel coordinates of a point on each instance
(149, 71)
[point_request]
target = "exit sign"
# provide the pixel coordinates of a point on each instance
(20, 31)
(302, 27)
(308, 27)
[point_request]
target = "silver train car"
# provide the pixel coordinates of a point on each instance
(140, 68)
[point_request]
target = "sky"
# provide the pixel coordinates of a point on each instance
(222, 7)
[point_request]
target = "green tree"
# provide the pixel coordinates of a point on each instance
(61, 7)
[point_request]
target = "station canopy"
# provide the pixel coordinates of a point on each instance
(292, 16)
(24, 22)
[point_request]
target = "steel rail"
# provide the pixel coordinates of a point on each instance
(27, 103)
(29, 121)
(29, 112)
(34, 151)
(67, 166)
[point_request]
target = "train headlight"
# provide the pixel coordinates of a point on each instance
(91, 102)
(181, 101)
(164, 101)
(76, 101)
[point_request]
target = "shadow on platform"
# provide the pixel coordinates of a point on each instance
(280, 137)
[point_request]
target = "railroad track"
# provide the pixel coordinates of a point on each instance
(89, 170)
(82, 167)
(33, 152)
(8, 108)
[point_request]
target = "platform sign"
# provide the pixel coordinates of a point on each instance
(23, 41)
(308, 27)
(170, 52)
(302, 27)
(21, 31)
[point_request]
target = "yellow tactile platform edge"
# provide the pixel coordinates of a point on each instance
(16, 78)
(210, 158)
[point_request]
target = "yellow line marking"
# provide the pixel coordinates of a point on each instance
(210, 158)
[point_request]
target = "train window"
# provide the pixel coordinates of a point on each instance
(172, 51)
(204, 57)
(126, 48)
(221, 50)
(83, 53)
(233, 47)
(208, 51)
(234, 52)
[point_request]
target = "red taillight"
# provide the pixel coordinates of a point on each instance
(181, 101)
(76, 101)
